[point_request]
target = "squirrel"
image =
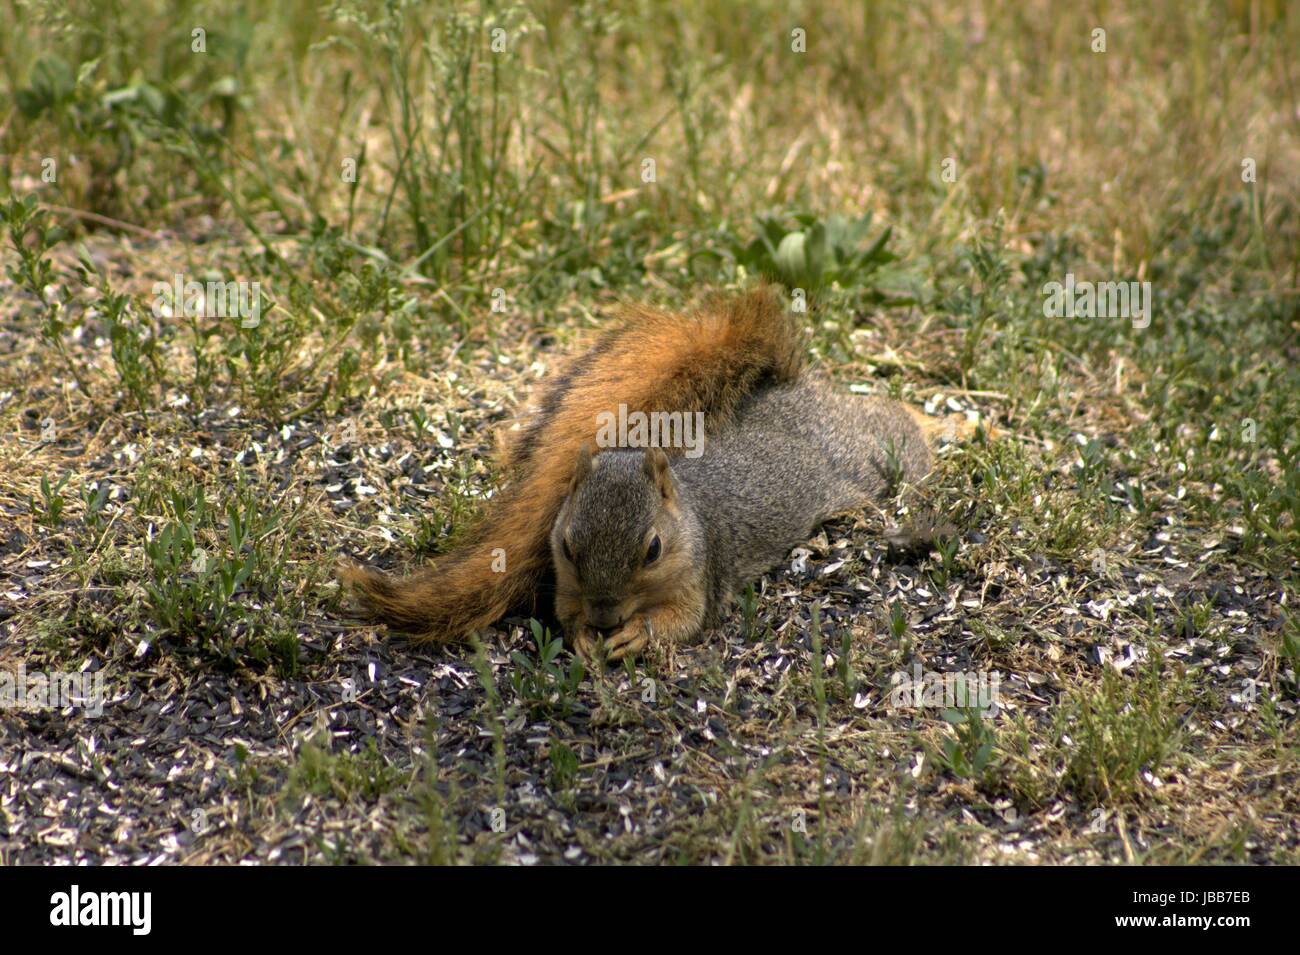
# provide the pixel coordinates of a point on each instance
(707, 361)
(647, 543)
(651, 548)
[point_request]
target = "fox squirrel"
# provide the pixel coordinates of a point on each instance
(706, 361)
(649, 542)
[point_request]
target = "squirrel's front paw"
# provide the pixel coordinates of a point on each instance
(585, 646)
(628, 640)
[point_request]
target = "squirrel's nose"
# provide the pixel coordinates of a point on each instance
(602, 615)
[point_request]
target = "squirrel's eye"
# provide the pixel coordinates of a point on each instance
(652, 554)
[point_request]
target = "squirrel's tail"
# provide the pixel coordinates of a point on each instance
(706, 361)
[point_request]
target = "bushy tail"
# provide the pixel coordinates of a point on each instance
(708, 361)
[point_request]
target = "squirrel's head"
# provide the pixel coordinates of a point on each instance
(620, 544)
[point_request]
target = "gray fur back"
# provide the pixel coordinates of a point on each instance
(796, 455)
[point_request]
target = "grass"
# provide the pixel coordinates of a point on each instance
(437, 201)
(1120, 732)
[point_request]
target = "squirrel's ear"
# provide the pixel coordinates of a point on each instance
(658, 471)
(581, 467)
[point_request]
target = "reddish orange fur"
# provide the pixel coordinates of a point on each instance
(651, 361)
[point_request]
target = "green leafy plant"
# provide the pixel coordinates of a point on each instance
(29, 236)
(941, 571)
(49, 510)
(747, 601)
(95, 500)
(1124, 730)
(114, 113)
(971, 750)
(808, 252)
(897, 619)
(132, 338)
(543, 683)
(978, 302)
(1289, 644)
(564, 766)
(197, 587)
(364, 775)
